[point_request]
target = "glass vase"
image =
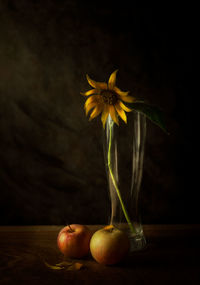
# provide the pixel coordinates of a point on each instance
(124, 154)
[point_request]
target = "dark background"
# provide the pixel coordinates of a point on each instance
(51, 157)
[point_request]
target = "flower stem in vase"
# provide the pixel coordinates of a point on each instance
(110, 125)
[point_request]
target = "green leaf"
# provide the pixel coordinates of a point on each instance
(151, 112)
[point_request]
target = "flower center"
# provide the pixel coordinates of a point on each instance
(109, 97)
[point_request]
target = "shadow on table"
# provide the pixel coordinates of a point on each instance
(166, 252)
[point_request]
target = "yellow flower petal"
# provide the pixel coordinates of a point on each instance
(124, 107)
(75, 266)
(96, 112)
(89, 107)
(104, 115)
(54, 267)
(64, 263)
(120, 92)
(112, 80)
(97, 85)
(128, 99)
(121, 112)
(90, 92)
(113, 114)
(108, 227)
(91, 99)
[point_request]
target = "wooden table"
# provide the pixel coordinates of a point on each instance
(172, 256)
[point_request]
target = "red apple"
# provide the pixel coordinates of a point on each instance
(109, 245)
(74, 241)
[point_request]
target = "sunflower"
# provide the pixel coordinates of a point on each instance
(107, 98)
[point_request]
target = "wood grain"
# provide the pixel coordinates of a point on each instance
(171, 256)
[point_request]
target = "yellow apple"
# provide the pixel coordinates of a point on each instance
(109, 245)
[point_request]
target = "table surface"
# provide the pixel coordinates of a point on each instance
(170, 257)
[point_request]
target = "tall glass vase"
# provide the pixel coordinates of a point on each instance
(124, 154)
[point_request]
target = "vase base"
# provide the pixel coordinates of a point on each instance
(137, 242)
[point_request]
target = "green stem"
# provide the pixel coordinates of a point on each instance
(115, 183)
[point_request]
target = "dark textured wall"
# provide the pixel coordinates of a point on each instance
(51, 157)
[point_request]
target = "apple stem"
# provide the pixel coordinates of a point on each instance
(114, 181)
(71, 229)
